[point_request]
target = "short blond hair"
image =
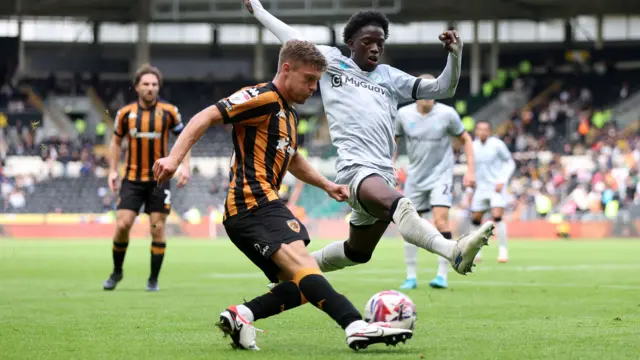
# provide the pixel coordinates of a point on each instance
(302, 52)
(147, 69)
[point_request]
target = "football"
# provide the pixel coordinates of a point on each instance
(392, 307)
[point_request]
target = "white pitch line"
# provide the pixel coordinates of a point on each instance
(479, 269)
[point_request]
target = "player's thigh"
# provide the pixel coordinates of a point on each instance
(260, 234)
(365, 238)
(498, 203)
(376, 196)
(292, 258)
(480, 203)
(158, 198)
(131, 196)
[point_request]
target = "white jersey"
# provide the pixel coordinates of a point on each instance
(361, 109)
(494, 164)
(428, 139)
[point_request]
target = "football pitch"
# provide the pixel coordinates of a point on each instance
(553, 300)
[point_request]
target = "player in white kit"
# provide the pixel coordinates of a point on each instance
(494, 168)
(361, 99)
(427, 128)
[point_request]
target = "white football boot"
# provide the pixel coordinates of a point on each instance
(242, 332)
(361, 335)
(469, 245)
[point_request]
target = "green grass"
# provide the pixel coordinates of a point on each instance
(553, 300)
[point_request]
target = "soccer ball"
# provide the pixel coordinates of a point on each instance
(392, 307)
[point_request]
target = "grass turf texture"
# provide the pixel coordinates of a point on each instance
(553, 300)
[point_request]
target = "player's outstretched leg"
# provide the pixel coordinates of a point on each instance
(356, 250)
(308, 284)
(422, 234)
(124, 221)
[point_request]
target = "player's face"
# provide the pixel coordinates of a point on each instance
(148, 88)
(301, 81)
(483, 131)
(367, 46)
(426, 104)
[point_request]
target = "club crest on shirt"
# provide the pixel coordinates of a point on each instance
(159, 113)
(294, 225)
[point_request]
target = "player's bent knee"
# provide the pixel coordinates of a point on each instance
(357, 254)
(157, 230)
(123, 225)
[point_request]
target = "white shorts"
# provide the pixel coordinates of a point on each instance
(440, 195)
(484, 200)
(353, 176)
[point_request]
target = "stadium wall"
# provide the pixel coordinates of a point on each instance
(88, 227)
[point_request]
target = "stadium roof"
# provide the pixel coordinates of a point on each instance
(319, 11)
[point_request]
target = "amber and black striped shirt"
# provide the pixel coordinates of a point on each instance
(265, 139)
(148, 133)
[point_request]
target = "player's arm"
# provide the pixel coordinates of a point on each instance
(249, 107)
(115, 148)
(194, 130)
(281, 30)
(301, 169)
(444, 86)
(457, 129)
(176, 128)
(508, 167)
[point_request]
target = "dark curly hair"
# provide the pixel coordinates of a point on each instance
(362, 19)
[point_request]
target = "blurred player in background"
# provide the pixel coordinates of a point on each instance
(361, 98)
(495, 166)
(146, 123)
(257, 221)
(427, 128)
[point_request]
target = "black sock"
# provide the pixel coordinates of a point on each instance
(157, 255)
(317, 290)
(119, 251)
(447, 235)
(284, 296)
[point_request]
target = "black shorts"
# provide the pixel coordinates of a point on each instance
(261, 232)
(154, 197)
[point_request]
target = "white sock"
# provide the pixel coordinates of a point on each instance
(501, 228)
(245, 313)
(420, 232)
(332, 257)
(475, 228)
(443, 267)
(411, 260)
(355, 326)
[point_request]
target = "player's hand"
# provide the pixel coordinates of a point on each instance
(113, 182)
(338, 192)
(249, 6)
(164, 169)
(184, 175)
(499, 187)
(469, 180)
(451, 41)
